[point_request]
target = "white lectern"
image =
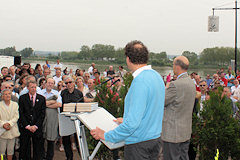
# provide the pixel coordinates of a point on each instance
(98, 118)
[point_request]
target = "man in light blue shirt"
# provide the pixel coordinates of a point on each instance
(230, 78)
(50, 128)
(141, 125)
(208, 80)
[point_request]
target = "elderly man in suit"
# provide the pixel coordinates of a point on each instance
(177, 119)
(32, 108)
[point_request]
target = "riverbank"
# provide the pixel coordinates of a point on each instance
(199, 66)
(102, 65)
(72, 61)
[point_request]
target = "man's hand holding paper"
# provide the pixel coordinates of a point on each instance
(97, 133)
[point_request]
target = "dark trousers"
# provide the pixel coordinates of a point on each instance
(50, 150)
(176, 151)
(115, 154)
(25, 146)
(142, 151)
(191, 152)
(67, 146)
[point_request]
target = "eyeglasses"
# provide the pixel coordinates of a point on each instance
(64, 86)
(68, 82)
(202, 85)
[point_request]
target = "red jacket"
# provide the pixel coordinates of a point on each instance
(197, 88)
(225, 81)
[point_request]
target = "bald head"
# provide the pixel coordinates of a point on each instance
(181, 61)
(138, 46)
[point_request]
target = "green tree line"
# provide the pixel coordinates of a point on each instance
(100, 52)
(11, 51)
(218, 56)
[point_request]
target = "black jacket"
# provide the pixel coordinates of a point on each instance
(31, 115)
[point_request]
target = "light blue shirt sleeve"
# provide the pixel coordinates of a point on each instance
(136, 105)
(24, 91)
(59, 100)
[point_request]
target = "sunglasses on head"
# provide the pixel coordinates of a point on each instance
(68, 82)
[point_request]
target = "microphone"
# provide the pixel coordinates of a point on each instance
(75, 110)
(116, 81)
(106, 81)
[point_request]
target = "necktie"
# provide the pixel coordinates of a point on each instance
(31, 100)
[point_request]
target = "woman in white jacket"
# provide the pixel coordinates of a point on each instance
(8, 122)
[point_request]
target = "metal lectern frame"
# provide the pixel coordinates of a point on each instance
(82, 140)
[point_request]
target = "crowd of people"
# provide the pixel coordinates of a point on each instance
(229, 81)
(32, 98)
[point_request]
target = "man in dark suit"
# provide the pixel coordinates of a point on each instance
(31, 115)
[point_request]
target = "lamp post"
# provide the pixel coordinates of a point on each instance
(235, 29)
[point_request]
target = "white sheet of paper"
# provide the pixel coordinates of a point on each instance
(103, 119)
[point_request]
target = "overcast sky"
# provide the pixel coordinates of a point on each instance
(163, 25)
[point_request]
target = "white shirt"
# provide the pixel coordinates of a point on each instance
(90, 69)
(233, 88)
(236, 93)
(203, 98)
(105, 74)
(139, 70)
(85, 91)
(25, 90)
(13, 77)
(194, 81)
(52, 93)
(58, 66)
(182, 74)
(57, 79)
(15, 94)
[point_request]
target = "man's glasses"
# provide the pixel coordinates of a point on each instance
(68, 82)
(202, 85)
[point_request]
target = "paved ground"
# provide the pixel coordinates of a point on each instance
(61, 155)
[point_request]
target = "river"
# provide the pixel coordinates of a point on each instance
(164, 71)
